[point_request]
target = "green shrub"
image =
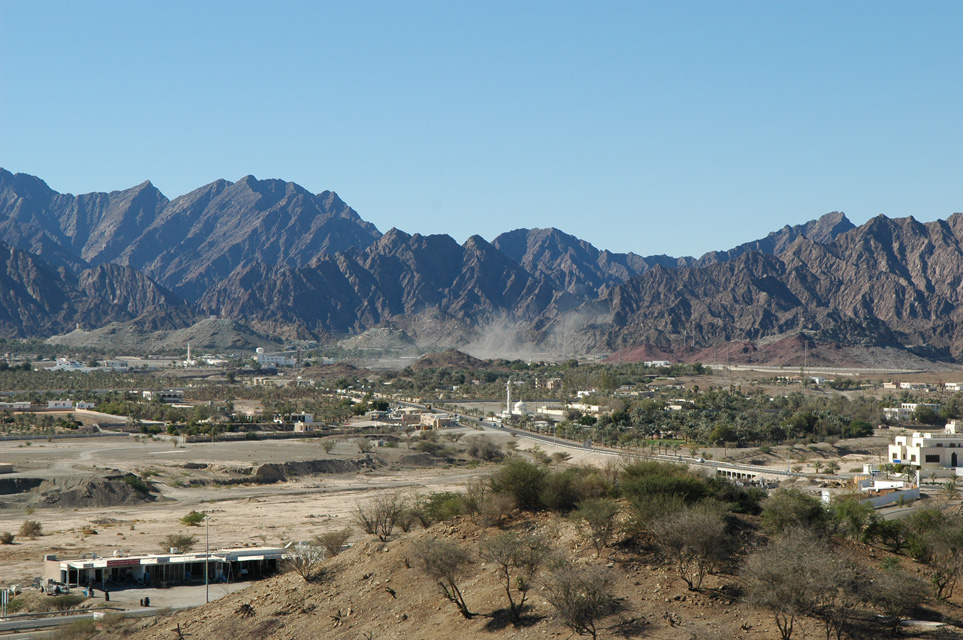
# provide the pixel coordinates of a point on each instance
(791, 508)
(739, 499)
(858, 429)
(521, 480)
(183, 542)
(559, 491)
(442, 506)
(646, 480)
(193, 519)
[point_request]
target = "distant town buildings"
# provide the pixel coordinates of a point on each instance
(65, 364)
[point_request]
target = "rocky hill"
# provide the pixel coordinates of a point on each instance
(378, 590)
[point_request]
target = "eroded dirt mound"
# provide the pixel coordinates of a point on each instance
(272, 472)
(417, 460)
(70, 492)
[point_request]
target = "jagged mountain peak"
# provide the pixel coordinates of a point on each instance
(271, 252)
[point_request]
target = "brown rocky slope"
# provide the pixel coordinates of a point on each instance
(376, 590)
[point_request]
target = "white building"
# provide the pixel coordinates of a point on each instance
(929, 450)
(172, 396)
(60, 404)
(64, 364)
(295, 418)
(154, 569)
(276, 359)
(521, 409)
(906, 411)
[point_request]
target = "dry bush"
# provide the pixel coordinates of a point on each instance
(381, 514)
(792, 577)
(495, 508)
(6, 538)
(333, 541)
(31, 529)
(517, 557)
(896, 593)
(695, 540)
(582, 596)
(484, 449)
(445, 562)
(305, 560)
(476, 493)
(328, 444)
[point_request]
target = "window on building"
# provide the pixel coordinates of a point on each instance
(932, 457)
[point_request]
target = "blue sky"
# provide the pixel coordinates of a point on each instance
(653, 127)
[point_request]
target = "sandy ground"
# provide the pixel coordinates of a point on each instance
(242, 515)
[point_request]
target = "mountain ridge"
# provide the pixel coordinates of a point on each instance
(273, 255)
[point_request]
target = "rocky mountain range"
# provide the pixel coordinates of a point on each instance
(294, 264)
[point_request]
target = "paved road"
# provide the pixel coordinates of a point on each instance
(183, 597)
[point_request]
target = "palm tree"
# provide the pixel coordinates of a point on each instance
(950, 489)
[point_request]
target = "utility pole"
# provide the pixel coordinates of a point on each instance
(207, 559)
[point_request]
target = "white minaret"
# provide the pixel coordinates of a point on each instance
(188, 352)
(508, 404)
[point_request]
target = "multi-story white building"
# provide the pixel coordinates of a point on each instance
(277, 359)
(929, 450)
(906, 411)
